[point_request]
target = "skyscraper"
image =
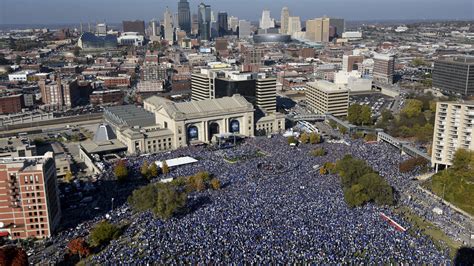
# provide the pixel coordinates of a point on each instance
(184, 16)
(134, 26)
(384, 68)
(233, 23)
(285, 14)
(317, 30)
(266, 22)
(338, 24)
(168, 25)
(294, 25)
(244, 29)
(101, 29)
(204, 21)
(222, 23)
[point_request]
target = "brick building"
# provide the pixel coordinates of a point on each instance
(11, 104)
(114, 97)
(29, 200)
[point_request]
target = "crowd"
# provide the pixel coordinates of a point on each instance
(273, 209)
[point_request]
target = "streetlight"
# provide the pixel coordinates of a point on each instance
(112, 203)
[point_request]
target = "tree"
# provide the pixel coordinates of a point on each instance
(292, 140)
(169, 201)
(418, 62)
(318, 152)
(387, 115)
(144, 170)
(68, 177)
(323, 171)
(343, 130)
(215, 184)
(153, 171)
(103, 233)
(164, 167)
(196, 183)
(304, 138)
(14, 256)
(353, 114)
(144, 198)
(79, 246)
(370, 137)
(314, 138)
(121, 171)
(413, 107)
(365, 117)
(355, 196)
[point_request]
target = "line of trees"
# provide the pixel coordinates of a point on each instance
(360, 115)
(361, 184)
(166, 200)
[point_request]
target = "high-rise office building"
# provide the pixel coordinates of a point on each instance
(350, 62)
(184, 16)
(168, 26)
(204, 21)
(233, 23)
(222, 23)
(338, 25)
(257, 88)
(29, 203)
(294, 25)
(320, 29)
(285, 14)
(384, 68)
(266, 22)
(265, 92)
(101, 29)
(244, 29)
(454, 75)
(326, 97)
(134, 26)
(453, 130)
(153, 28)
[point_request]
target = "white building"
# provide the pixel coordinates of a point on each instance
(266, 22)
(326, 97)
(20, 76)
(285, 14)
(233, 23)
(352, 35)
(244, 29)
(168, 25)
(294, 25)
(342, 77)
(453, 130)
(131, 38)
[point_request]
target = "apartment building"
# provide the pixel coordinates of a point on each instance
(453, 130)
(29, 200)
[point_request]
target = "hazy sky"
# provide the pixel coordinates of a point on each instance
(73, 11)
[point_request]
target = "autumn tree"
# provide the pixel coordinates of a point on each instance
(144, 170)
(12, 255)
(103, 233)
(165, 168)
(68, 177)
(79, 246)
(154, 170)
(314, 138)
(121, 171)
(215, 184)
(304, 138)
(169, 201)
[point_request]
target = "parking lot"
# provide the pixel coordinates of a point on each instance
(377, 102)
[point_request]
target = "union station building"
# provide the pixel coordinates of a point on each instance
(165, 125)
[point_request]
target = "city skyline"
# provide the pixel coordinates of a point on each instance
(13, 11)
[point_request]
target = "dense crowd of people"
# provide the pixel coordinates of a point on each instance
(272, 208)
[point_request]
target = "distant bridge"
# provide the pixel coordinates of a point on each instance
(403, 146)
(309, 117)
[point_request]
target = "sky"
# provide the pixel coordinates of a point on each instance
(75, 11)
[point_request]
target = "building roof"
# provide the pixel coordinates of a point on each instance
(104, 133)
(92, 147)
(194, 109)
(177, 161)
(326, 86)
(129, 115)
